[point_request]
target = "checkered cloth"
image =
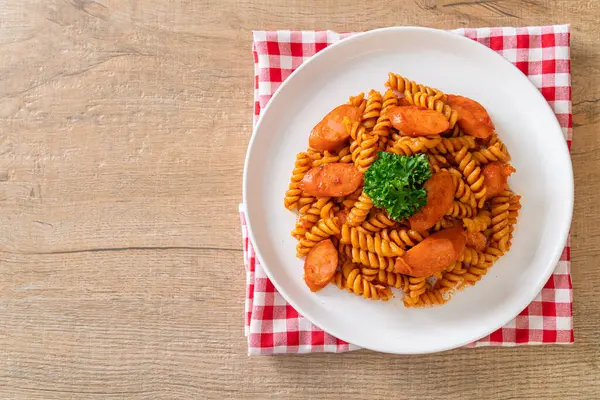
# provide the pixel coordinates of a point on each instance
(543, 54)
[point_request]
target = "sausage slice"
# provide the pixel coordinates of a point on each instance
(433, 254)
(320, 265)
(418, 121)
(440, 195)
(330, 133)
(331, 180)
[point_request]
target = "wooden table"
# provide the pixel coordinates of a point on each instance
(123, 129)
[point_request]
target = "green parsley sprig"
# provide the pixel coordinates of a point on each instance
(395, 183)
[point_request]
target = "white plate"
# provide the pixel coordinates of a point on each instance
(453, 64)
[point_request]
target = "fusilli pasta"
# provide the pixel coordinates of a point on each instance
(402, 84)
(321, 231)
(372, 109)
(408, 146)
(364, 242)
(294, 193)
(322, 208)
(490, 154)
(472, 172)
(373, 260)
(377, 221)
(464, 194)
(403, 237)
(372, 243)
(478, 223)
(351, 279)
(383, 125)
(360, 210)
(461, 210)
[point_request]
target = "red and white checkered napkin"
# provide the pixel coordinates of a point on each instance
(543, 54)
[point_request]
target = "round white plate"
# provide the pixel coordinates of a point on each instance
(452, 64)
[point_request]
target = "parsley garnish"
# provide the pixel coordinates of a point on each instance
(395, 182)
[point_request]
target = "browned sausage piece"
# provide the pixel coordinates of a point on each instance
(477, 110)
(330, 133)
(440, 195)
(495, 177)
(426, 258)
(472, 127)
(320, 265)
(418, 121)
(457, 236)
(473, 119)
(476, 240)
(331, 180)
(433, 254)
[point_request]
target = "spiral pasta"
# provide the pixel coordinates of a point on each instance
(300, 228)
(430, 101)
(401, 84)
(367, 242)
(472, 172)
(355, 148)
(393, 280)
(490, 154)
(513, 209)
(431, 297)
(478, 223)
(403, 237)
(408, 146)
(416, 287)
(452, 278)
(387, 278)
(321, 209)
(325, 158)
(383, 125)
(344, 155)
(349, 201)
(476, 258)
(372, 243)
(358, 134)
(366, 151)
(305, 202)
(461, 210)
(372, 109)
(437, 161)
(370, 273)
(353, 281)
(500, 225)
(456, 132)
(443, 224)
(475, 272)
(492, 140)
(360, 210)
(321, 231)
(514, 205)
(373, 260)
(453, 144)
(378, 221)
(463, 193)
(293, 194)
(358, 101)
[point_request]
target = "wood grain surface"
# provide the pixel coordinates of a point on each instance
(123, 129)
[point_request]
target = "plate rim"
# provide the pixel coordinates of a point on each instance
(569, 197)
